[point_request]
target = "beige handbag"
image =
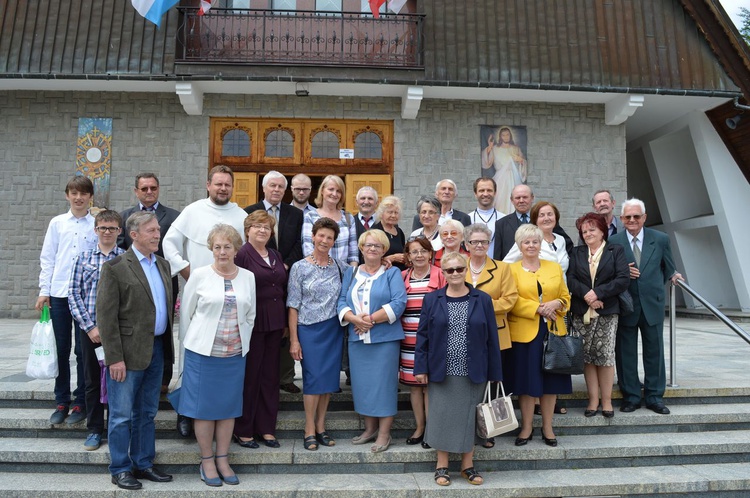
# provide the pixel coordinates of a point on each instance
(495, 416)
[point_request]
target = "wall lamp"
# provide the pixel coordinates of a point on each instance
(733, 122)
(301, 90)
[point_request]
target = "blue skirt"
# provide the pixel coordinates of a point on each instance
(374, 374)
(211, 387)
(524, 374)
(322, 347)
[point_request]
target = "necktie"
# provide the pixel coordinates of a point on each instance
(150, 208)
(636, 251)
(275, 214)
(612, 229)
(524, 218)
(366, 224)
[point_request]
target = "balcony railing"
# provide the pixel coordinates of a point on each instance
(242, 36)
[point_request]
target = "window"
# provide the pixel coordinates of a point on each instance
(236, 143)
(284, 6)
(368, 145)
(367, 10)
(325, 144)
(233, 4)
(279, 143)
(332, 6)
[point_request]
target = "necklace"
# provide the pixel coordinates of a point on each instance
(415, 277)
(432, 235)
(319, 266)
(229, 275)
(477, 272)
(529, 269)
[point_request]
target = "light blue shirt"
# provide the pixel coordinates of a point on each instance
(158, 292)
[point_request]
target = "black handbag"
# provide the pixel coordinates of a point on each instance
(563, 354)
(626, 303)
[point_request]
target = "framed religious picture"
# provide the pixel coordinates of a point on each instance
(504, 160)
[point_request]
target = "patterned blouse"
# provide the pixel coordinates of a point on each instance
(457, 353)
(227, 341)
(314, 291)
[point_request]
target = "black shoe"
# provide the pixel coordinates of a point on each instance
(271, 443)
(184, 426)
(425, 445)
(126, 480)
(521, 441)
(152, 474)
(291, 388)
(658, 408)
(608, 413)
(245, 444)
(629, 407)
(549, 441)
(415, 440)
(590, 413)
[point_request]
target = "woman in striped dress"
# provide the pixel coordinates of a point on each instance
(421, 278)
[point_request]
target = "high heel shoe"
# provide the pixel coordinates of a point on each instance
(210, 481)
(227, 479)
(549, 441)
(521, 441)
(415, 440)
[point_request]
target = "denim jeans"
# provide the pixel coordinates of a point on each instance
(62, 324)
(132, 407)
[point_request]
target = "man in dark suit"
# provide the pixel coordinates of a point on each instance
(147, 192)
(446, 192)
(134, 316)
(522, 198)
(287, 239)
(367, 202)
(649, 256)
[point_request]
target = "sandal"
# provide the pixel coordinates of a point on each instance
(489, 442)
(442, 473)
(472, 476)
(324, 439)
(311, 443)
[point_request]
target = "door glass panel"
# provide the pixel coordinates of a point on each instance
(325, 145)
(368, 145)
(279, 143)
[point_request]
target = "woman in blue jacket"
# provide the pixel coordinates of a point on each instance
(371, 302)
(457, 353)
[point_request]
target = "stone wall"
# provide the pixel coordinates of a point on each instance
(571, 153)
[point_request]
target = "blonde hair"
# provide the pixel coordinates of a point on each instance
(376, 234)
(226, 231)
(339, 183)
(528, 231)
(452, 256)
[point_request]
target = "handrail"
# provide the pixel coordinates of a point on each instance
(673, 329)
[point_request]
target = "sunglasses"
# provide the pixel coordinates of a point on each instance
(451, 271)
(633, 216)
(148, 189)
(452, 233)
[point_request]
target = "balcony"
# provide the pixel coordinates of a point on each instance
(301, 38)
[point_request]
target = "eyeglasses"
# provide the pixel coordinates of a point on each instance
(372, 246)
(301, 189)
(635, 217)
(451, 271)
(107, 229)
(452, 233)
(418, 252)
(261, 228)
(427, 213)
(475, 243)
(148, 189)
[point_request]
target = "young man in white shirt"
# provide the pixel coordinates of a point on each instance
(485, 213)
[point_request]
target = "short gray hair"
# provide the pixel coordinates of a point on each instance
(452, 224)
(273, 175)
(477, 227)
(446, 180)
(633, 202)
(428, 199)
(138, 219)
(367, 188)
(389, 202)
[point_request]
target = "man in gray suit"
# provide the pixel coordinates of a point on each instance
(651, 265)
(134, 315)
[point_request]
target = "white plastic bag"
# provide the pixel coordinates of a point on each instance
(42, 362)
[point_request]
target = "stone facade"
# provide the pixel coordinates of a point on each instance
(571, 153)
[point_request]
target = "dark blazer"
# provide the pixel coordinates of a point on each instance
(505, 235)
(612, 278)
(165, 216)
(125, 312)
(270, 281)
(657, 267)
(360, 228)
(481, 337)
(290, 232)
(459, 216)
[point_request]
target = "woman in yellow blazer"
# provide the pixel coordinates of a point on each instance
(542, 298)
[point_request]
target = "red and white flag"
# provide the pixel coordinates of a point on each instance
(375, 7)
(396, 5)
(205, 7)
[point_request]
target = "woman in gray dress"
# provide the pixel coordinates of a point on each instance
(457, 353)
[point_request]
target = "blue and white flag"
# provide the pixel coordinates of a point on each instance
(153, 10)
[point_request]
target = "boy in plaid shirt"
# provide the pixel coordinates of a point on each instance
(82, 300)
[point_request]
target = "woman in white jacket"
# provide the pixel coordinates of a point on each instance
(216, 321)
